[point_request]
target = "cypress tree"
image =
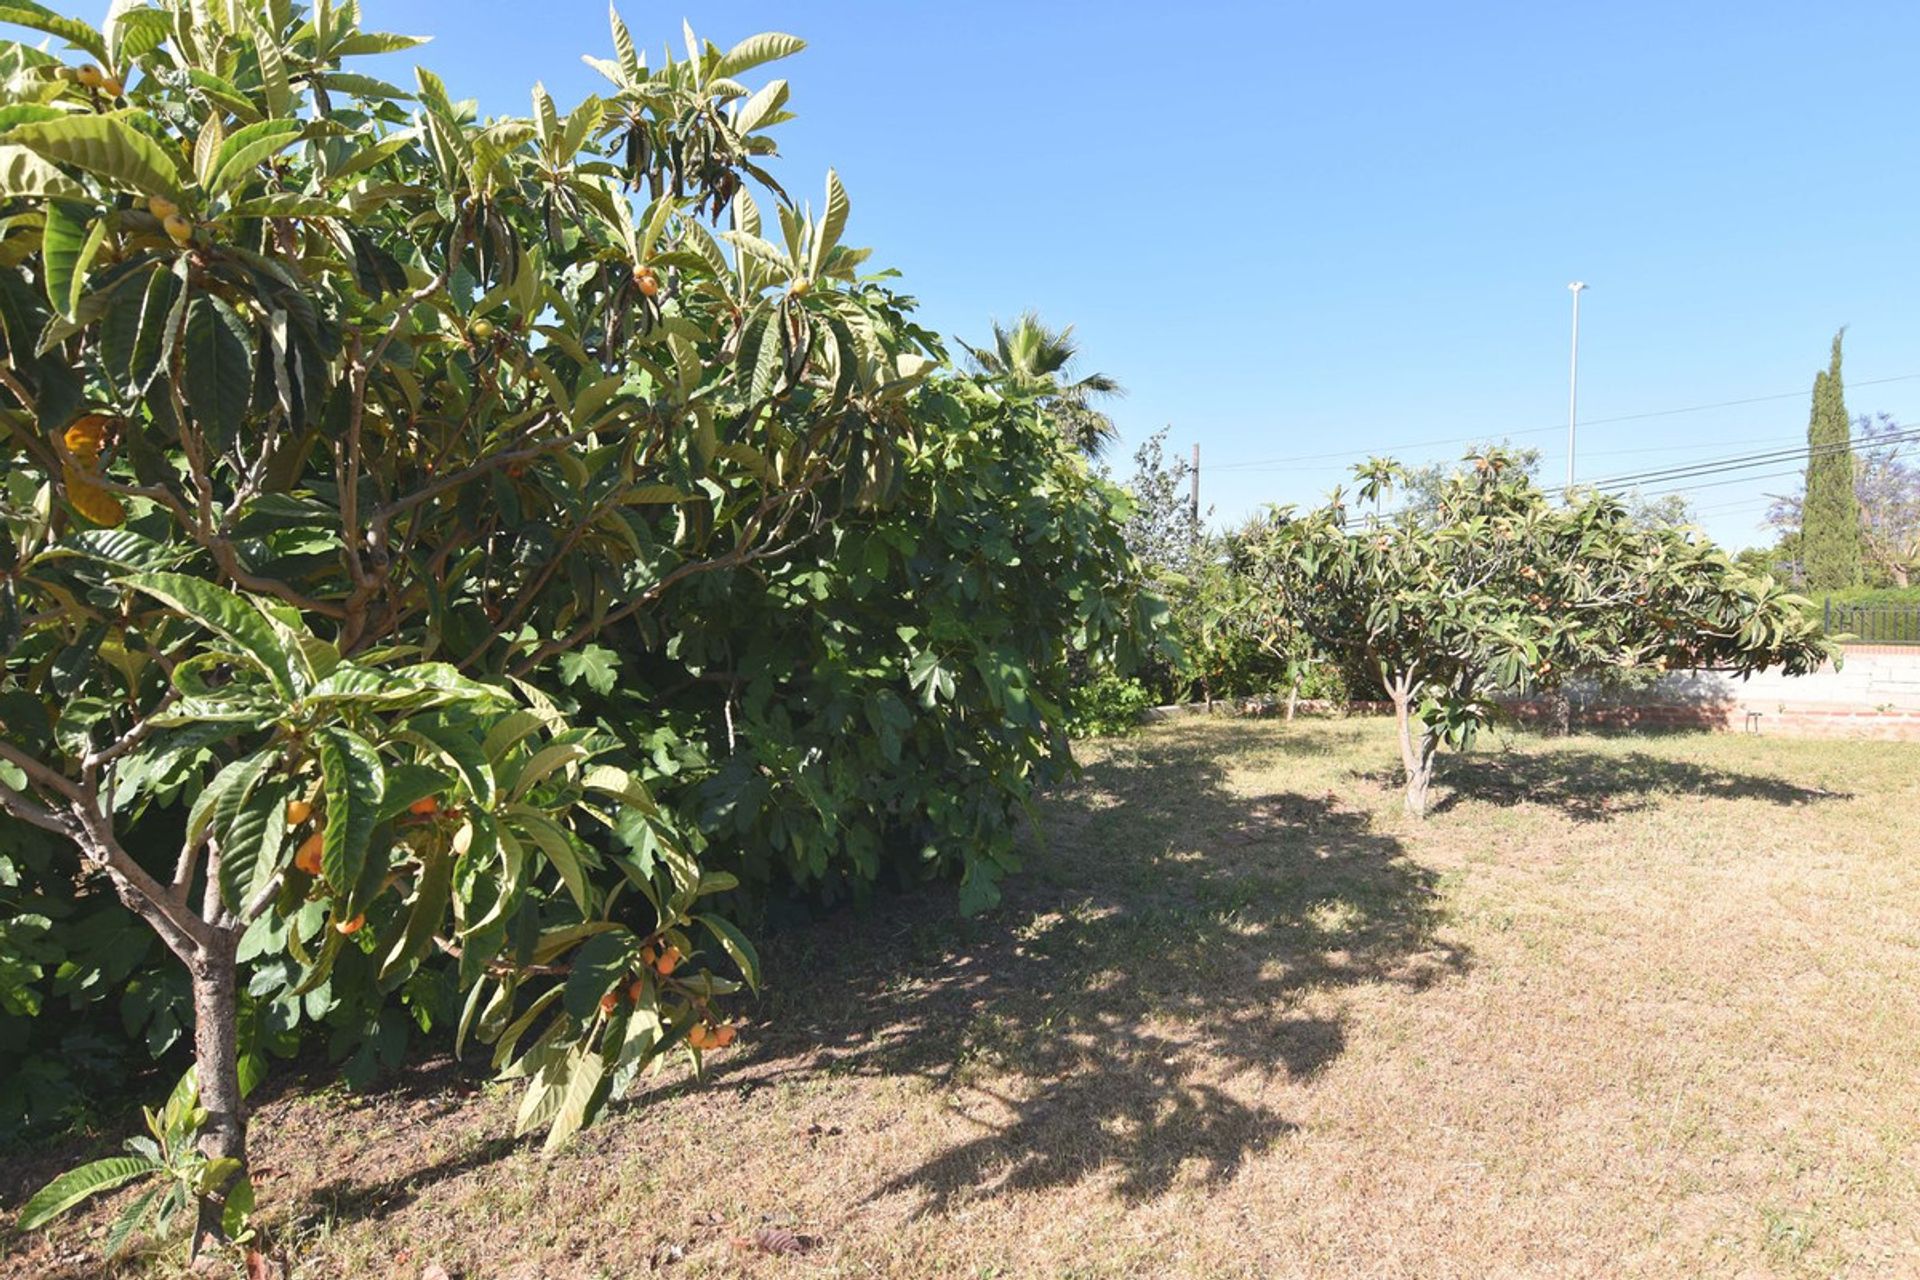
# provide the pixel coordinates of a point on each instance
(1830, 515)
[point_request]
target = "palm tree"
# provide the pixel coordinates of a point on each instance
(1038, 361)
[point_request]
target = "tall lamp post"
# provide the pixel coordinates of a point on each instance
(1573, 383)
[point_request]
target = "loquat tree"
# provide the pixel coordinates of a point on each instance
(340, 425)
(1494, 590)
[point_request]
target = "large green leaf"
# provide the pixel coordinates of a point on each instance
(585, 1092)
(132, 337)
(251, 843)
(735, 944)
(353, 779)
(754, 51)
(27, 13)
(557, 845)
(75, 1185)
(62, 240)
(107, 147)
(595, 970)
(25, 173)
(832, 223)
(247, 147)
(218, 367)
(426, 911)
(460, 750)
(227, 615)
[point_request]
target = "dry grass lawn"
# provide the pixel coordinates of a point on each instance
(1622, 1007)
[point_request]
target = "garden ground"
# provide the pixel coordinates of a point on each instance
(1622, 1006)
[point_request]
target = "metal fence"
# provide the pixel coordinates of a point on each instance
(1874, 623)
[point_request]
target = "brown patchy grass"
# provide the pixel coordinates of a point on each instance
(1622, 1007)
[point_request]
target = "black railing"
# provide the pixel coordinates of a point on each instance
(1874, 623)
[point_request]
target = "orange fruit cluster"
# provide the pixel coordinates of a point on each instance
(705, 1035)
(662, 962)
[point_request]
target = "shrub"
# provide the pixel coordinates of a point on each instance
(1107, 705)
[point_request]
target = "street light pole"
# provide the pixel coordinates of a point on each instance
(1573, 384)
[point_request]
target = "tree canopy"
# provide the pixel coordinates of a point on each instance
(1499, 591)
(400, 503)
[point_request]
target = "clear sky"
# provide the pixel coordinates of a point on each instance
(1330, 229)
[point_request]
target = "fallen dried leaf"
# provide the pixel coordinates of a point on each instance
(775, 1240)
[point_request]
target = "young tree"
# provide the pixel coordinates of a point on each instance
(1164, 531)
(1830, 524)
(337, 434)
(1502, 591)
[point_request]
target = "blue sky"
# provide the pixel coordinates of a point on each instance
(1298, 229)
(1302, 230)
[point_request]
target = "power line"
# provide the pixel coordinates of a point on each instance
(1716, 484)
(1693, 474)
(1256, 464)
(1714, 466)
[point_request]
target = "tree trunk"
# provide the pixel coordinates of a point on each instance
(1561, 707)
(1420, 776)
(1293, 698)
(1899, 572)
(1416, 757)
(216, 1049)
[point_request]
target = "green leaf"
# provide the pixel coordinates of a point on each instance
(585, 1093)
(107, 147)
(768, 46)
(62, 241)
(287, 204)
(238, 1207)
(426, 911)
(75, 1185)
(365, 87)
(407, 783)
(558, 847)
(132, 338)
(459, 750)
(368, 42)
(38, 17)
(273, 70)
(597, 967)
(832, 224)
(247, 147)
(251, 843)
(218, 366)
(595, 664)
(236, 779)
(353, 780)
(27, 174)
(735, 944)
(227, 615)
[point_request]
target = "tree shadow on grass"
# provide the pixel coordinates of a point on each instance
(1175, 947)
(1595, 786)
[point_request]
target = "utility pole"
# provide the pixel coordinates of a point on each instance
(1573, 384)
(1196, 488)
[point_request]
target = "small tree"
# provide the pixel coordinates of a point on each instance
(1501, 591)
(1830, 520)
(336, 434)
(1163, 530)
